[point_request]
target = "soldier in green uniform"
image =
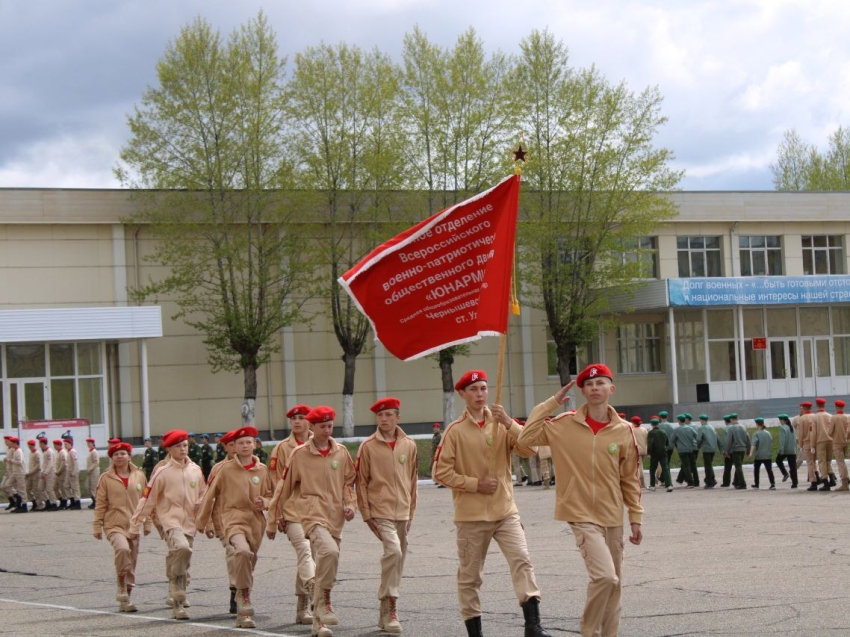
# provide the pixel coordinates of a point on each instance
(194, 450)
(162, 454)
(667, 427)
(260, 452)
(656, 447)
(708, 447)
(684, 439)
(727, 459)
(787, 450)
(736, 445)
(150, 459)
(206, 456)
(220, 451)
(762, 452)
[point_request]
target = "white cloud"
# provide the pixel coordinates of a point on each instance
(69, 161)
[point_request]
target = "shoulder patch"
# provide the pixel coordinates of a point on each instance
(146, 492)
(273, 464)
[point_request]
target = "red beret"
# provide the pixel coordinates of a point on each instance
(228, 436)
(437, 425)
(636, 420)
(820, 401)
(14, 439)
(386, 403)
(472, 376)
(172, 438)
(839, 403)
(111, 441)
(68, 439)
(592, 371)
(58, 443)
(120, 446)
(320, 414)
(622, 415)
(805, 404)
(298, 409)
(242, 432)
(89, 439)
(31, 443)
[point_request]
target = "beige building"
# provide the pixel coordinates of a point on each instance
(754, 286)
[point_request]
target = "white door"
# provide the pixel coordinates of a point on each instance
(783, 367)
(817, 366)
(27, 401)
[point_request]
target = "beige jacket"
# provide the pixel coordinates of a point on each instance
(840, 429)
(174, 494)
(321, 487)
(387, 478)
(115, 503)
(804, 423)
(16, 462)
(73, 463)
(48, 461)
(641, 435)
(93, 461)
(820, 428)
(597, 474)
(468, 453)
(279, 457)
(61, 462)
(230, 495)
(35, 463)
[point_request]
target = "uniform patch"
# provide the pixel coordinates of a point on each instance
(357, 465)
(193, 484)
(139, 487)
(612, 448)
(285, 471)
(255, 480)
(402, 459)
(146, 492)
(335, 465)
(489, 440)
(273, 464)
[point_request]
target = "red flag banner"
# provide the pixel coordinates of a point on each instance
(446, 280)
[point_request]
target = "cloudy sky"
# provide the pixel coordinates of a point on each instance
(735, 74)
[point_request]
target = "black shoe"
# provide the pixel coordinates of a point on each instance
(552, 482)
(539, 483)
(63, 504)
(473, 627)
(525, 478)
(832, 482)
(794, 485)
(813, 487)
(75, 505)
(531, 613)
(93, 504)
(825, 486)
(232, 600)
(785, 477)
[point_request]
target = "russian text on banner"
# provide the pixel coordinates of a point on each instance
(446, 280)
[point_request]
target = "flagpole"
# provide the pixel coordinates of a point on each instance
(519, 157)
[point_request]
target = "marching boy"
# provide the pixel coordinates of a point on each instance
(241, 489)
(656, 446)
(320, 477)
(387, 470)
(92, 470)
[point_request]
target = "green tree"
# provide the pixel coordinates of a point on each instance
(456, 112)
(205, 159)
(593, 183)
(344, 110)
(801, 166)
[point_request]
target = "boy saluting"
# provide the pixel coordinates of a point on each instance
(597, 450)
(474, 460)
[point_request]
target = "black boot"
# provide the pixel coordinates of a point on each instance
(832, 482)
(531, 612)
(93, 503)
(473, 627)
(63, 504)
(20, 506)
(813, 487)
(825, 486)
(34, 506)
(76, 505)
(233, 600)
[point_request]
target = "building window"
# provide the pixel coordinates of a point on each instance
(643, 250)
(690, 347)
(698, 256)
(760, 255)
(722, 353)
(639, 348)
(584, 356)
(823, 254)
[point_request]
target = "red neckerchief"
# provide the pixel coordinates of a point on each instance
(595, 425)
(391, 443)
(248, 467)
(324, 452)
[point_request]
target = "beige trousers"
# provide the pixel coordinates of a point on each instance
(46, 484)
(326, 549)
(642, 478)
(126, 554)
(602, 550)
(179, 556)
(16, 484)
(840, 452)
(72, 486)
(810, 464)
(394, 539)
(244, 560)
(92, 476)
(32, 488)
(228, 560)
(305, 567)
(473, 540)
(60, 481)
(824, 455)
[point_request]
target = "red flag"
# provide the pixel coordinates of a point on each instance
(446, 280)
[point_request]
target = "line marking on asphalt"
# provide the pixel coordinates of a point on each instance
(181, 622)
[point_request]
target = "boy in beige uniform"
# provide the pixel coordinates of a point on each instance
(821, 443)
(215, 525)
(387, 470)
(16, 480)
(241, 490)
(72, 474)
(641, 434)
(47, 479)
(174, 491)
(305, 569)
(92, 469)
(33, 477)
(117, 494)
(840, 430)
(320, 475)
(597, 450)
(474, 462)
(804, 423)
(61, 473)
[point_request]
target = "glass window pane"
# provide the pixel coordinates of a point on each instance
(721, 356)
(808, 267)
(756, 242)
(746, 266)
(834, 241)
(62, 359)
(807, 242)
(772, 242)
(697, 243)
(743, 242)
(684, 264)
(821, 266)
(34, 401)
(759, 263)
(62, 400)
(720, 324)
(91, 404)
(682, 243)
(841, 320)
(824, 364)
(88, 359)
(781, 322)
(2, 412)
(25, 360)
(836, 262)
(842, 355)
(820, 241)
(814, 321)
(712, 243)
(774, 259)
(756, 368)
(697, 264)
(713, 266)
(753, 323)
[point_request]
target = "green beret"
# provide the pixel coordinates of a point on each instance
(681, 417)
(687, 415)
(662, 414)
(759, 421)
(733, 415)
(727, 418)
(703, 416)
(654, 421)
(783, 417)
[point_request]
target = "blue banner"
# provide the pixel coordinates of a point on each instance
(759, 290)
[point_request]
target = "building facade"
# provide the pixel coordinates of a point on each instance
(747, 297)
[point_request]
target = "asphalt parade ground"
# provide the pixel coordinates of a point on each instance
(713, 562)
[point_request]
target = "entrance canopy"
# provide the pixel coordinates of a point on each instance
(80, 324)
